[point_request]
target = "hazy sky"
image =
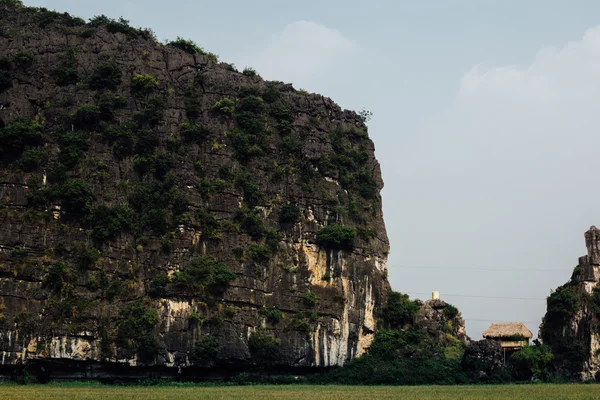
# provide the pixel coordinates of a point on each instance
(485, 123)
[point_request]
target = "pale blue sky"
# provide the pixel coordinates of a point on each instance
(486, 168)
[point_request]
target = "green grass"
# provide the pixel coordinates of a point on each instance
(301, 392)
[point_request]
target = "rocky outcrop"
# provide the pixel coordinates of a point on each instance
(570, 326)
(439, 317)
(159, 208)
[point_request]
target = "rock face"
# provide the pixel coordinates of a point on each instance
(159, 208)
(440, 318)
(571, 323)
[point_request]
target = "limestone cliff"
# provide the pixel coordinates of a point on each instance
(571, 326)
(159, 208)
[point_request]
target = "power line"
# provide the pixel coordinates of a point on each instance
(483, 297)
(495, 320)
(480, 269)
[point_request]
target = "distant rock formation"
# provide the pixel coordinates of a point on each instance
(571, 326)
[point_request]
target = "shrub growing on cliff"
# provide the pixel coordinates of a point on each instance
(224, 107)
(143, 84)
(450, 311)
(106, 76)
(23, 59)
(5, 80)
(77, 196)
(336, 237)
(204, 276)
(11, 3)
(399, 310)
(158, 285)
(205, 350)
(108, 102)
(264, 348)
(562, 304)
(87, 117)
(73, 146)
(194, 133)
(289, 213)
(108, 222)
(209, 224)
(5, 74)
(121, 25)
(189, 46)
(249, 71)
(19, 134)
(66, 73)
(32, 159)
(309, 299)
(251, 223)
(136, 328)
(274, 315)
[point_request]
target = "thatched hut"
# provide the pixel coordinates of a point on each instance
(511, 335)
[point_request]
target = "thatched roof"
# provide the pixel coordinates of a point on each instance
(507, 330)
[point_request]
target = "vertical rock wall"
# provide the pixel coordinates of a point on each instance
(166, 206)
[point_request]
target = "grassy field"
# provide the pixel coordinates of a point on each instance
(300, 392)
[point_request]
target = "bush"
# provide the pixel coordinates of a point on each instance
(259, 253)
(66, 73)
(264, 348)
(108, 222)
(224, 107)
(106, 76)
(19, 134)
(309, 299)
(5, 80)
(193, 133)
(562, 304)
(151, 200)
(85, 257)
(289, 213)
(251, 223)
(32, 159)
(188, 46)
(399, 310)
(292, 145)
(77, 196)
(208, 187)
(205, 276)
(245, 146)
(136, 329)
(271, 94)
(450, 311)
(158, 285)
(87, 117)
(205, 350)
(121, 25)
(59, 274)
(23, 59)
(108, 102)
(152, 112)
(73, 146)
(18, 254)
(11, 3)
(209, 225)
(143, 84)
(274, 315)
(532, 362)
(251, 191)
(336, 237)
(248, 71)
